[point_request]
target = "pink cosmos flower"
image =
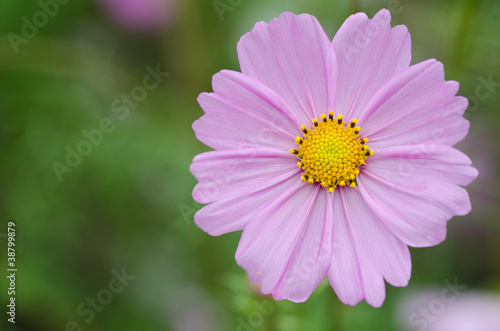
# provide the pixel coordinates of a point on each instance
(293, 170)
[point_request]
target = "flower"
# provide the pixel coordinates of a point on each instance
(142, 15)
(293, 170)
(446, 310)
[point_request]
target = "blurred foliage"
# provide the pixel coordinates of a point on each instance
(128, 203)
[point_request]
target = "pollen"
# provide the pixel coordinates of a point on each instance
(331, 152)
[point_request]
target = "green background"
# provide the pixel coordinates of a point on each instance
(128, 203)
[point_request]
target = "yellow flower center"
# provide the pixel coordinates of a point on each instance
(331, 152)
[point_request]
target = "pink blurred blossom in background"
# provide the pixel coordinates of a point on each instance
(140, 15)
(449, 310)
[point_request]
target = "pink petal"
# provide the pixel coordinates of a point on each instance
(243, 112)
(444, 125)
(415, 192)
(236, 184)
(364, 252)
(417, 106)
(344, 272)
(368, 53)
(234, 173)
(229, 215)
(312, 254)
(276, 233)
(293, 56)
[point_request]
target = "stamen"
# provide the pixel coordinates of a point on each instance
(331, 152)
